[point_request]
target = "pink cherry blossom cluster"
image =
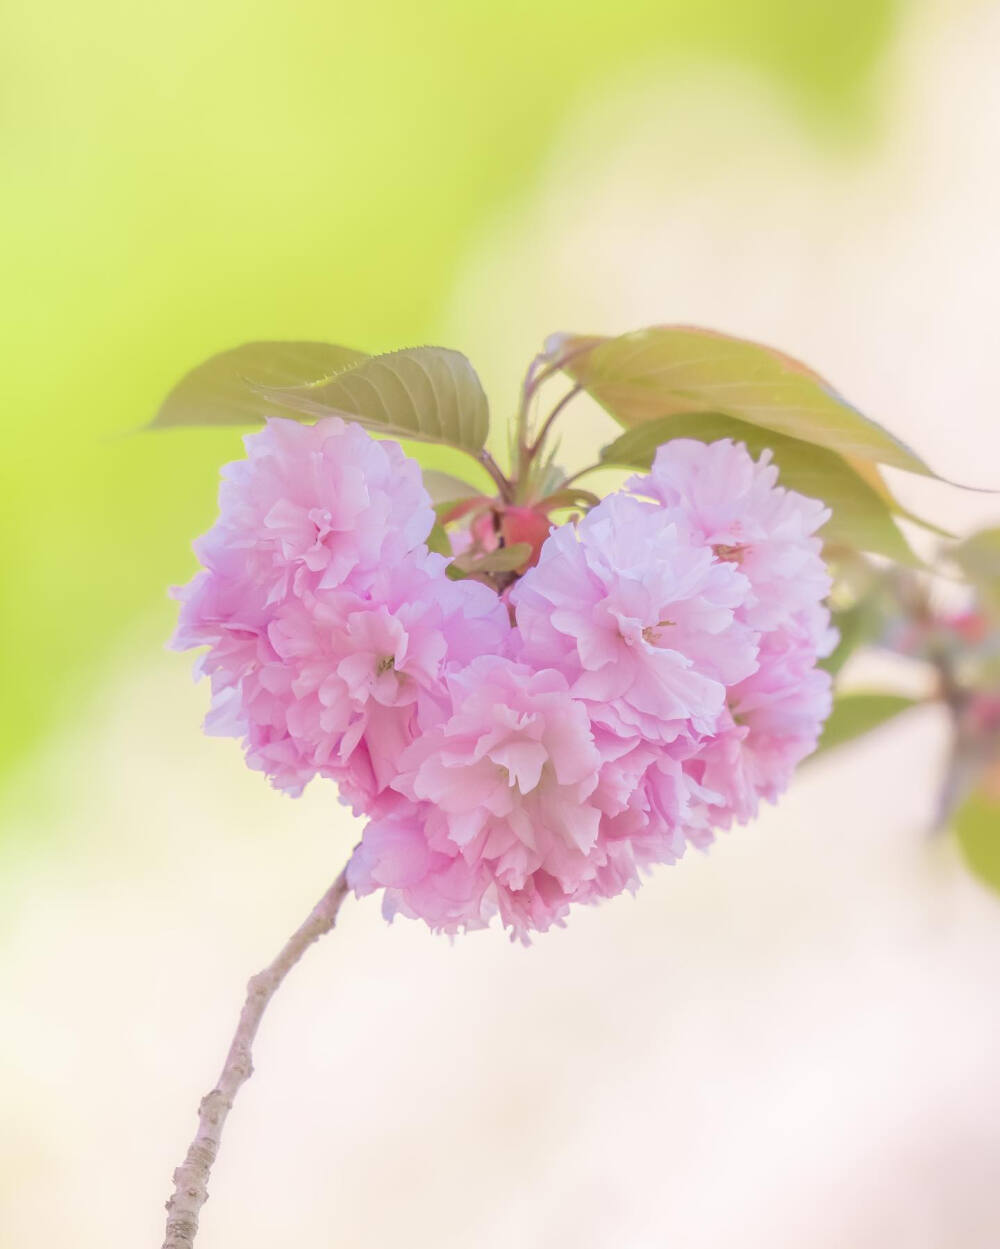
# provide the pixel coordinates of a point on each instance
(649, 680)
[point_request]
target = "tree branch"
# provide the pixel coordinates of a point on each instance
(191, 1177)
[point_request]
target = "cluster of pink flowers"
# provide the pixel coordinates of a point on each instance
(649, 680)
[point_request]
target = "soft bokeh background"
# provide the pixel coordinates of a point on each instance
(791, 1041)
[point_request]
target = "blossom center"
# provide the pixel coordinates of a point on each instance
(651, 633)
(730, 554)
(321, 518)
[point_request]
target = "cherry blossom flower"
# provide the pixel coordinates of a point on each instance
(736, 507)
(313, 504)
(507, 775)
(640, 617)
(774, 720)
(520, 749)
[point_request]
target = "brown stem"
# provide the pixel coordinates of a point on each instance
(582, 472)
(520, 458)
(191, 1177)
(550, 420)
(493, 468)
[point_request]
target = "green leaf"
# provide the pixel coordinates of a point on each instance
(673, 369)
(224, 390)
(857, 625)
(872, 475)
(444, 488)
(428, 393)
(979, 558)
(977, 827)
(437, 540)
(571, 496)
(861, 518)
(552, 476)
(504, 559)
(859, 713)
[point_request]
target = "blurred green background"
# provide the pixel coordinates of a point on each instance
(177, 179)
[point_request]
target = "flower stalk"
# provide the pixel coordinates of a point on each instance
(191, 1177)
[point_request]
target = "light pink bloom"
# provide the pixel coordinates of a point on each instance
(368, 673)
(504, 781)
(338, 683)
(775, 719)
(640, 617)
(735, 506)
(653, 807)
(444, 890)
(328, 624)
(313, 504)
(660, 680)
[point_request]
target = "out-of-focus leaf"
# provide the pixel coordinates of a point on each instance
(437, 540)
(977, 827)
(552, 476)
(855, 714)
(224, 390)
(572, 496)
(861, 519)
(870, 473)
(979, 558)
(505, 559)
(673, 369)
(444, 488)
(857, 625)
(429, 393)
(448, 513)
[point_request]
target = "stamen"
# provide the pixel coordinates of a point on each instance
(729, 554)
(650, 634)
